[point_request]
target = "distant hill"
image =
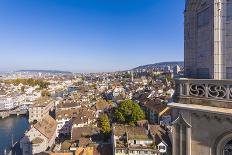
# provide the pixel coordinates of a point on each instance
(161, 65)
(46, 71)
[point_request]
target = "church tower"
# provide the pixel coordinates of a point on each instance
(202, 111)
(208, 39)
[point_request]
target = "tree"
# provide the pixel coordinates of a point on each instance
(45, 93)
(23, 89)
(94, 86)
(129, 112)
(30, 82)
(105, 124)
(123, 83)
(110, 102)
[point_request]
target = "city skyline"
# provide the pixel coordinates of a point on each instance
(89, 36)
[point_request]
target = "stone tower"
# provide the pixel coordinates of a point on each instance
(208, 39)
(202, 111)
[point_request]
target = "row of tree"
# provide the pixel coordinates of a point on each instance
(30, 82)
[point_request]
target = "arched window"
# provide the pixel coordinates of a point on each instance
(228, 148)
(223, 144)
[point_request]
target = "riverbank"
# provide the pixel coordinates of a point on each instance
(12, 128)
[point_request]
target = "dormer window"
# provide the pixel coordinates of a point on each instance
(162, 148)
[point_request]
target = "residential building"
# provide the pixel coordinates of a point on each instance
(82, 121)
(154, 110)
(68, 105)
(136, 140)
(40, 109)
(102, 106)
(84, 137)
(7, 103)
(64, 119)
(176, 70)
(167, 69)
(39, 137)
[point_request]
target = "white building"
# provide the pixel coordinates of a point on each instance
(64, 121)
(40, 136)
(40, 109)
(135, 140)
(7, 103)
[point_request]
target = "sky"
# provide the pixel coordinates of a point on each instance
(89, 35)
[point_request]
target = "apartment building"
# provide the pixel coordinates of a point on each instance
(40, 136)
(138, 140)
(40, 109)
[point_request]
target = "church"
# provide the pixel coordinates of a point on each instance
(202, 107)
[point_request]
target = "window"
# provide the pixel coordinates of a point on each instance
(134, 141)
(162, 148)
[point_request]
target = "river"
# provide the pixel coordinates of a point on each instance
(14, 125)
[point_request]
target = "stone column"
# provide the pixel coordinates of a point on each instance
(188, 143)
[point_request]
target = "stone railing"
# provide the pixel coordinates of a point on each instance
(204, 88)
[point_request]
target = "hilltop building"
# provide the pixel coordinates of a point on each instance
(176, 70)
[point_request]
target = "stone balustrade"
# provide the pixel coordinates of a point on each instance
(204, 88)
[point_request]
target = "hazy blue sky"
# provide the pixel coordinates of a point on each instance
(89, 35)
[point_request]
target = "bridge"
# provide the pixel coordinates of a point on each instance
(17, 111)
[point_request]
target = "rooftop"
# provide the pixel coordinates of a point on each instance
(60, 114)
(155, 105)
(84, 132)
(102, 104)
(47, 126)
(133, 132)
(42, 102)
(68, 104)
(37, 140)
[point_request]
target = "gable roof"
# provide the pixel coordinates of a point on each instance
(47, 126)
(160, 134)
(102, 104)
(133, 132)
(84, 132)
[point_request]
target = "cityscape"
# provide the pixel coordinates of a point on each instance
(96, 103)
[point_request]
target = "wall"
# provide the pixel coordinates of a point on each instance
(206, 129)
